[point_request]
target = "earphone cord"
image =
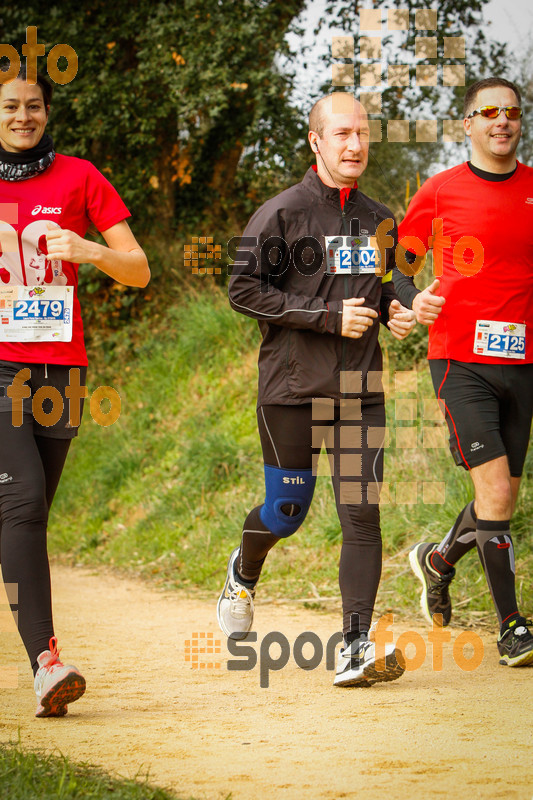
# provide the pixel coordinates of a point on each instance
(327, 170)
(381, 170)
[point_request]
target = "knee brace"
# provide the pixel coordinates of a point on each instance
(288, 496)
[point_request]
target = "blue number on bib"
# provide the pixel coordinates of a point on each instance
(345, 257)
(518, 344)
(503, 343)
(38, 309)
(356, 259)
(364, 258)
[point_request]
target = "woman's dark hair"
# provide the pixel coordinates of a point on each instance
(46, 87)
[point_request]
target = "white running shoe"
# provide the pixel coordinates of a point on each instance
(357, 664)
(55, 684)
(235, 608)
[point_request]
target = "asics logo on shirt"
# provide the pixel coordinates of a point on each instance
(529, 201)
(45, 210)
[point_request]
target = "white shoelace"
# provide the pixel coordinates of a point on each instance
(241, 606)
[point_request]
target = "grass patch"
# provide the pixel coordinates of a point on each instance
(164, 492)
(27, 775)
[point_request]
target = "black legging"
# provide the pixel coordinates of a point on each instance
(32, 455)
(31, 467)
(287, 440)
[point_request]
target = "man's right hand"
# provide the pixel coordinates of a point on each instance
(427, 305)
(356, 317)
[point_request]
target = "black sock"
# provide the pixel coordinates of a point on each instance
(243, 582)
(495, 548)
(458, 541)
(355, 631)
(351, 636)
(512, 621)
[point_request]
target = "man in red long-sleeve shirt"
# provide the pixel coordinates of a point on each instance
(480, 345)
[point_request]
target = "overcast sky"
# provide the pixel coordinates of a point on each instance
(507, 20)
(511, 20)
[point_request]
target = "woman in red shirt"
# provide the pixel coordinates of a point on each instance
(47, 202)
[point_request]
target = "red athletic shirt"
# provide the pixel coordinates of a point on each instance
(500, 215)
(71, 193)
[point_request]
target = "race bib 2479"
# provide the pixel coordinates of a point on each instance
(36, 313)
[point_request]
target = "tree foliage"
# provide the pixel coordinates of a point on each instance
(187, 107)
(395, 162)
(169, 96)
(522, 75)
(184, 106)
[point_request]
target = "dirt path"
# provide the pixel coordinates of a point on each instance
(209, 732)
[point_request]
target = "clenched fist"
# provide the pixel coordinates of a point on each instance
(356, 317)
(427, 304)
(66, 245)
(401, 320)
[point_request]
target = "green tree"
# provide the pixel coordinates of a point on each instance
(182, 105)
(396, 162)
(170, 96)
(522, 76)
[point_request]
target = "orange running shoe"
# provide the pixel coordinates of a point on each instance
(56, 685)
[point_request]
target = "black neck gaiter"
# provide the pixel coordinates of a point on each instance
(28, 163)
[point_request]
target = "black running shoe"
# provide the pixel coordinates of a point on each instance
(435, 598)
(516, 644)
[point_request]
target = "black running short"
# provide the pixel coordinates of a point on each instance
(488, 408)
(51, 412)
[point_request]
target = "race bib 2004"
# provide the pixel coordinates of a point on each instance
(350, 255)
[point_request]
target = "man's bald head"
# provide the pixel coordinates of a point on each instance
(339, 135)
(331, 104)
